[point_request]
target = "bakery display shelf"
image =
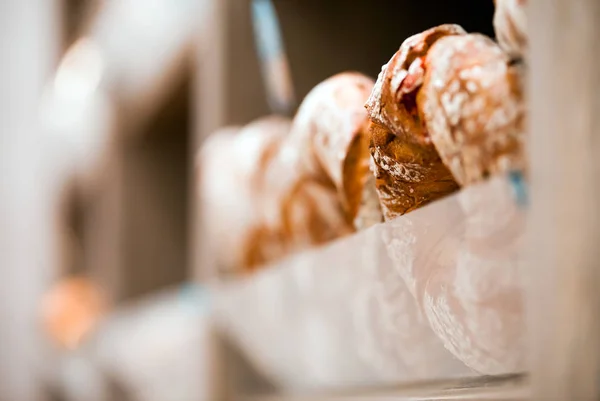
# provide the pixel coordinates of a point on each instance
(430, 304)
(427, 306)
(435, 294)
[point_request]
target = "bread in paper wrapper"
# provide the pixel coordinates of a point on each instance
(434, 293)
(470, 110)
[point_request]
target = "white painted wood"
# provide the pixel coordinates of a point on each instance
(564, 265)
(28, 40)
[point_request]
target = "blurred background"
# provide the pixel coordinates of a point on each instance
(103, 107)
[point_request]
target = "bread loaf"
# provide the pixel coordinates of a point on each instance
(331, 124)
(315, 181)
(455, 106)
(472, 102)
(408, 170)
(369, 212)
(274, 187)
(231, 168)
(510, 24)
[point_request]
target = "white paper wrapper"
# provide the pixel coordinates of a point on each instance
(434, 294)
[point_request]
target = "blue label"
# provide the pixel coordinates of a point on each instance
(519, 186)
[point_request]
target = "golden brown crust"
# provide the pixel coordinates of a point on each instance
(369, 211)
(356, 174)
(392, 102)
(293, 186)
(472, 101)
(314, 182)
(331, 121)
(408, 175)
(408, 170)
(231, 166)
(310, 214)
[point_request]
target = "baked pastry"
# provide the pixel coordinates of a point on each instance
(369, 211)
(510, 24)
(472, 102)
(409, 173)
(274, 187)
(231, 167)
(331, 125)
(315, 181)
(452, 102)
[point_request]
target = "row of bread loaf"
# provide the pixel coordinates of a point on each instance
(277, 186)
(445, 112)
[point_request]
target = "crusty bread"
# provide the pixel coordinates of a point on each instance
(369, 211)
(332, 122)
(274, 187)
(231, 166)
(510, 24)
(408, 169)
(472, 102)
(315, 180)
